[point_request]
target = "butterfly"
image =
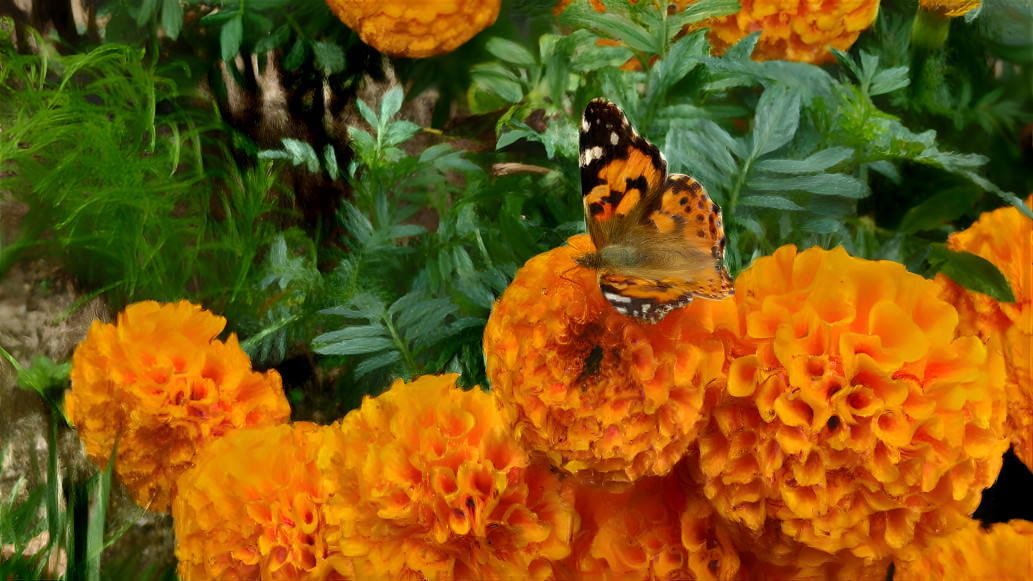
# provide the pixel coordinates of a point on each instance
(659, 238)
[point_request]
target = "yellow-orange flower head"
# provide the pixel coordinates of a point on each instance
(860, 421)
(1002, 553)
(660, 528)
(795, 30)
(159, 383)
(252, 507)
(597, 393)
(433, 486)
(1005, 238)
(416, 29)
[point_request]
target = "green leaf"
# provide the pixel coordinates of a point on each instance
(146, 10)
(354, 341)
(889, 80)
(824, 184)
(776, 121)
(814, 163)
(330, 161)
(582, 15)
(510, 52)
(501, 83)
(329, 57)
(172, 18)
(399, 132)
(973, 272)
(375, 362)
(938, 210)
(301, 153)
(273, 41)
(391, 104)
(771, 201)
(43, 375)
(704, 9)
(230, 37)
(296, 55)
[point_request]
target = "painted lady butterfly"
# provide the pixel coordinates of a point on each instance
(659, 238)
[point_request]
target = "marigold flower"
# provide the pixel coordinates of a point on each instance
(433, 486)
(659, 528)
(1002, 553)
(252, 507)
(159, 381)
(795, 30)
(415, 29)
(597, 393)
(859, 421)
(1005, 238)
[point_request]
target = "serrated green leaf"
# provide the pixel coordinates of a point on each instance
(742, 50)
(172, 18)
(973, 272)
(230, 37)
(398, 132)
(824, 184)
(776, 121)
(771, 201)
(329, 57)
(301, 153)
(816, 162)
(703, 10)
(391, 104)
(582, 15)
(499, 83)
(889, 80)
(375, 362)
(363, 143)
(510, 52)
(353, 341)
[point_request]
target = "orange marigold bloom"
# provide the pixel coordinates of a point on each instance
(415, 29)
(659, 528)
(159, 381)
(795, 30)
(598, 393)
(252, 507)
(858, 420)
(433, 486)
(1002, 553)
(1005, 238)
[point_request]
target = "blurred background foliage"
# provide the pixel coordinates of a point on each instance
(355, 216)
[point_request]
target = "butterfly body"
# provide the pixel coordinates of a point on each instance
(659, 238)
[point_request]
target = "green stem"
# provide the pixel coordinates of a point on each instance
(14, 362)
(406, 354)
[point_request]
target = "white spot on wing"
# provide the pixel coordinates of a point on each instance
(614, 138)
(616, 298)
(584, 125)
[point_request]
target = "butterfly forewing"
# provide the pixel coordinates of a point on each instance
(621, 172)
